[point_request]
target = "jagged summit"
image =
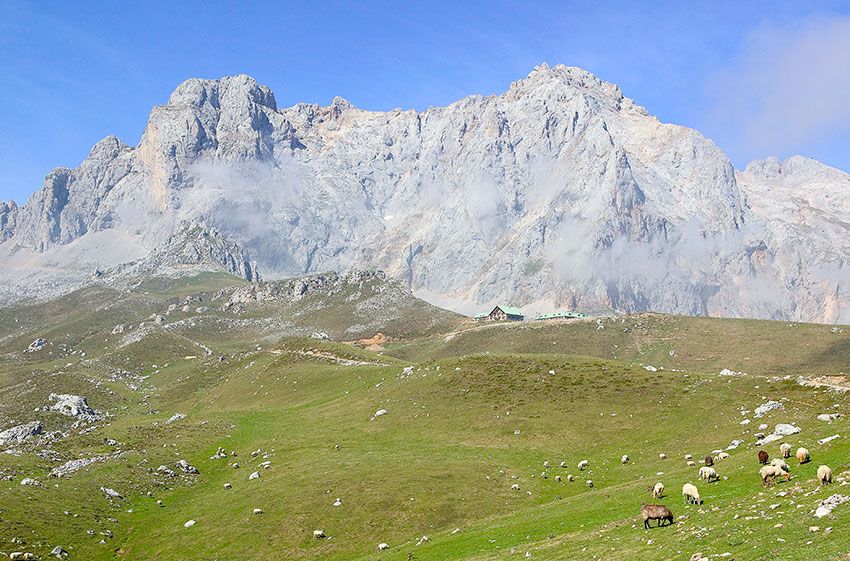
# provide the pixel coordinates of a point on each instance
(229, 89)
(559, 192)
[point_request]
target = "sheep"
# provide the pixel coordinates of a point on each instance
(691, 463)
(583, 464)
(563, 464)
(709, 461)
(708, 474)
(515, 487)
(383, 546)
(722, 456)
(570, 477)
(803, 456)
(770, 473)
(655, 512)
(780, 463)
(589, 483)
(690, 494)
(688, 457)
(824, 475)
(662, 456)
(785, 450)
(624, 459)
(557, 479)
(763, 457)
(658, 490)
(546, 464)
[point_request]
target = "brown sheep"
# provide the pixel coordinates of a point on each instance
(763, 457)
(655, 512)
(709, 461)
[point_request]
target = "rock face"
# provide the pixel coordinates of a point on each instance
(73, 406)
(560, 192)
(20, 433)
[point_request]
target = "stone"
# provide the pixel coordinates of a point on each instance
(21, 433)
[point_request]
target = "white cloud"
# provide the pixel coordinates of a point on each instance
(788, 91)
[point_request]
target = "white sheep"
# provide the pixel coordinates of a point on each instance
(662, 456)
(803, 455)
(824, 475)
(708, 474)
(722, 456)
(590, 483)
(785, 450)
(546, 464)
(657, 490)
(691, 494)
(383, 546)
(563, 464)
(583, 464)
(557, 479)
(769, 474)
(688, 457)
(691, 463)
(624, 459)
(515, 487)
(780, 463)
(570, 477)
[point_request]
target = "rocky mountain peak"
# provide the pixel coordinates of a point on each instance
(235, 90)
(558, 192)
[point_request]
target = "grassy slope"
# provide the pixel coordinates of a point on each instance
(446, 454)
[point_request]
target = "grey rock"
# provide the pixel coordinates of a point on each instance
(21, 433)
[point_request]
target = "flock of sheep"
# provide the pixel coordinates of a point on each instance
(768, 473)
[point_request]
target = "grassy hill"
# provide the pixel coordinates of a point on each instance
(471, 410)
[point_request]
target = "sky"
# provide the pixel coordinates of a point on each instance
(758, 78)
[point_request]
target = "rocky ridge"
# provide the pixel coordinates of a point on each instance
(559, 193)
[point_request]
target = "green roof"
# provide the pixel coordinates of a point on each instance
(510, 310)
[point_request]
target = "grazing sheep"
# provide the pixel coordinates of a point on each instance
(570, 477)
(688, 457)
(785, 450)
(691, 494)
(557, 478)
(803, 456)
(563, 464)
(655, 512)
(590, 483)
(780, 463)
(662, 456)
(546, 464)
(658, 490)
(515, 487)
(583, 464)
(763, 457)
(691, 463)
(824, 475)
(624, 459)
(708, 474)
(770, 473)
(319, 534)
(722, 456)
(383, 546)
(709, 461)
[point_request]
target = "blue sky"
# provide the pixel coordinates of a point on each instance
(759, 78)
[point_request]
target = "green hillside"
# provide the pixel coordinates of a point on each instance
(471, 410)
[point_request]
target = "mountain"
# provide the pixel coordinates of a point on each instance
(560, 192)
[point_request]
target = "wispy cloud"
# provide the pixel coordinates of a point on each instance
(786, 92)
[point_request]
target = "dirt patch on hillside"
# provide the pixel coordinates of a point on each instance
(375, 343)
(835, 382)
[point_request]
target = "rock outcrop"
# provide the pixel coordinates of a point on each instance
(560, 192)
